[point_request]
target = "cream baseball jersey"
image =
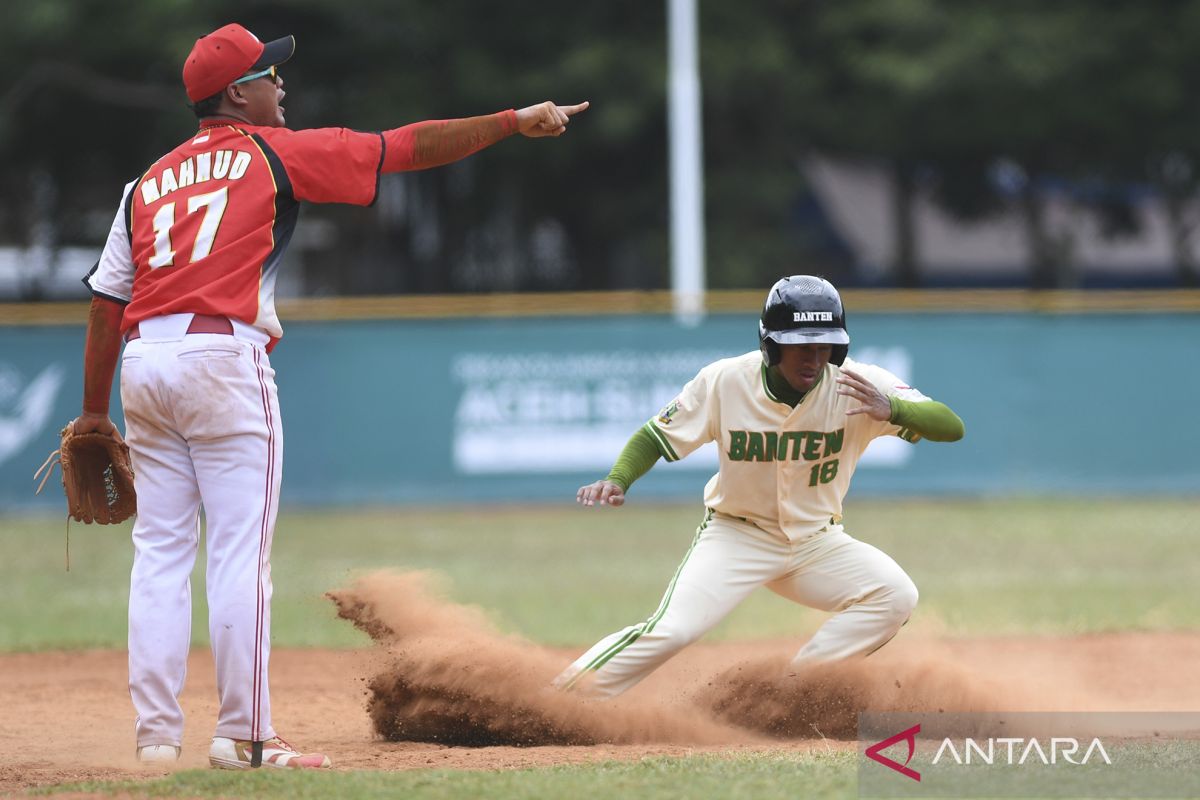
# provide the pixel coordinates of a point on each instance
(783, 469)
(204, 229)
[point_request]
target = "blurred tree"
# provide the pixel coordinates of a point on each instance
(81, 105)
(1158, 142)
(586, 213)
(1073, 92)
(1076, 96)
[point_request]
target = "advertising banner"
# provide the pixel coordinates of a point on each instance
(527, 409)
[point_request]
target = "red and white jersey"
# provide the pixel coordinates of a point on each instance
(205, 228)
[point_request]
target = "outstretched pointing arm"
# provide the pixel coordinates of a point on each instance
(435, 143)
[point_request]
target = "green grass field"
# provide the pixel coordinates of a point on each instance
(760, 777)
(568, 575)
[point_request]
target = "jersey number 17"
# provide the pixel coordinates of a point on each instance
(213, 204)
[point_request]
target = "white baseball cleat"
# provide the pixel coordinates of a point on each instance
(158, 754)
(236, 754)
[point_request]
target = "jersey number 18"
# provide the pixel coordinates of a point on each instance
(823, 472)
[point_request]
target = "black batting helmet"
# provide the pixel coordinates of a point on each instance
(803, 309)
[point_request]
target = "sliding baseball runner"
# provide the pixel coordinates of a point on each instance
(791, 422)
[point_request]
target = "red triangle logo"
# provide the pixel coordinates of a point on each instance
(910, 736)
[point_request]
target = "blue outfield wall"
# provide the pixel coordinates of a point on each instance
(525, 409)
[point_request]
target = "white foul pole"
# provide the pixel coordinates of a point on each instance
(687, 165)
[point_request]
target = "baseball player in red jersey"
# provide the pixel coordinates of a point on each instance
(187, 279)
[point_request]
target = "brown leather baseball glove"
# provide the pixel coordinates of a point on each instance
(96, 475)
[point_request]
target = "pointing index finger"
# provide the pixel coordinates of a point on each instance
(575, 109)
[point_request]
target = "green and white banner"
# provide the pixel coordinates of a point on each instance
(538, 412)
(393, 411)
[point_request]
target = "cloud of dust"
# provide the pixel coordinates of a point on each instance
(824, 699)
(453, 678)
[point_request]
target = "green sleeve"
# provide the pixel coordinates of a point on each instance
(640, 454)
(930, 419)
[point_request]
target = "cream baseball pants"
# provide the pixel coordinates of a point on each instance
(870, 595)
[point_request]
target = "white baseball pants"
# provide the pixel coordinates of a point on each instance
(729, 558)
(202, 423)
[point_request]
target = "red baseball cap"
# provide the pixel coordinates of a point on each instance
(225, 55)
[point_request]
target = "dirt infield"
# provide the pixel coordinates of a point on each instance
(67, 716)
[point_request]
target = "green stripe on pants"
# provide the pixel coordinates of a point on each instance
(647, 626)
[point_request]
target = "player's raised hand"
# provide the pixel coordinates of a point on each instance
(874, 403)
(546, 119)
(602, 492)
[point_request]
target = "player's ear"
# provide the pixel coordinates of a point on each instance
(235, 94)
